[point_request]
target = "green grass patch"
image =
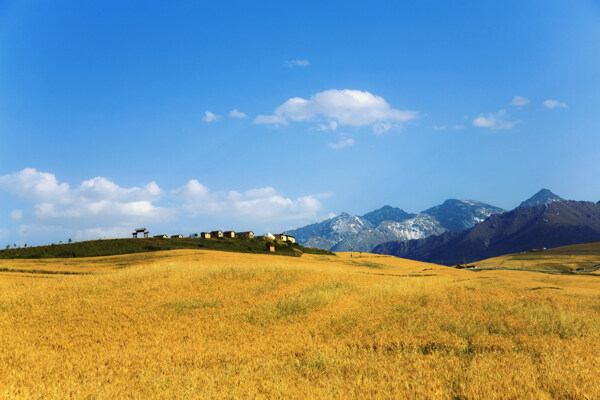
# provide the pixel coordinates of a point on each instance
(42, 271)
(109, 247)
(341, 325)
(274, 281)
(294, 306)
(367, 264)
(182, 306)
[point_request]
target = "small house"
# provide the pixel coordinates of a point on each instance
(229, 234)
(281, 236)
(249, 234)
(291, 239)
(272, 249)
(161, 236)
(176, 236)
(216, 234)
(205, 235)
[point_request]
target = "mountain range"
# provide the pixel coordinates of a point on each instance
(347, 232)
(556, 223)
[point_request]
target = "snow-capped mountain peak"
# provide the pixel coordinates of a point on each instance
(544, 196)
(353, 233)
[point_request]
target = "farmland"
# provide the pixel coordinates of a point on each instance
(212, 324)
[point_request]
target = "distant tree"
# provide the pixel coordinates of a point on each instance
(195, 235)
(25, 245)
(70, 241)
(15, 245)
(7, 246)
(60, 242)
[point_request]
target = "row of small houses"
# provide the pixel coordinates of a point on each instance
(230, 234)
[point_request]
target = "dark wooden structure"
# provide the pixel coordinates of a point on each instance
(141, 230)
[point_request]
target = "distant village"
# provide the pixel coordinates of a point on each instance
(218, 234)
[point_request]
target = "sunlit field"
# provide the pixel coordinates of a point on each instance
(577, 257)
(207, 324)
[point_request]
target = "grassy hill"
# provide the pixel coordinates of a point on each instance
(566, 259)
(108, 247)
(211, 324)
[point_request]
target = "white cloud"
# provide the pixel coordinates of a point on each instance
(519, 101)
(439, 127)
(96, 203)
(344, 107)
(210, 117)
(254, 205)
(458, 127)
(484, 122)
(236, 114)
(29, 184)
(331, 126)
(554, 103)
(381, 127)
(327, 216)
(348, 142)
(297, 63)
(98, 207)
(495, 121)
(270, 119)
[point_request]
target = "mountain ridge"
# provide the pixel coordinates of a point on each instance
(524, 228)
(346, 232)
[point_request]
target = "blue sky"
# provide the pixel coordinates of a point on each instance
(115, 115)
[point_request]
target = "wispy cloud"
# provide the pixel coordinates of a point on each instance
(519, 101)
(343, 142)
(296, 63)
(235, 113)
(252, 205)
(439, 127)
(276, 120)
(330, 126)
(496, 121)
(210, 117)
(344, 107)
(554, 104)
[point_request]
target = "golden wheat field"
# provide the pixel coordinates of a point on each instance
(206, 324)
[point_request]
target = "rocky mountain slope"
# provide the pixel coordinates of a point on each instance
(544, 196)
(524, 228)
(361, 233)
(387, 213)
